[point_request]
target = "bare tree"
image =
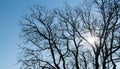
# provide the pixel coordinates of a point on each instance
(109, 35)
(58, 38)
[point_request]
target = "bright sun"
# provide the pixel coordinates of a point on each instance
(91, 40)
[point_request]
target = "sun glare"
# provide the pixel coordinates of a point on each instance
(91, 40)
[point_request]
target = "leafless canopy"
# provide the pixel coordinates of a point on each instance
(58, 38)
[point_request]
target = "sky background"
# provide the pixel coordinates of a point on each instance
(11, 11)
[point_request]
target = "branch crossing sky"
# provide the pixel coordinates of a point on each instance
(11, 11)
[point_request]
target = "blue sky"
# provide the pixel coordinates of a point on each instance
(10, 13)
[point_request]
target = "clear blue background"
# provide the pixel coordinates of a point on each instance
(11, 12)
